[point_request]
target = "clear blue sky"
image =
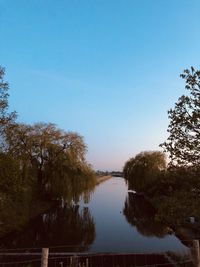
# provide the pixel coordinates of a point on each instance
(107, 69)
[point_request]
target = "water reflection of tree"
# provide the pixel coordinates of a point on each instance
(64, 226)
(141, 214)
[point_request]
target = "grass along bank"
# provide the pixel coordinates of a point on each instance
(102, 178)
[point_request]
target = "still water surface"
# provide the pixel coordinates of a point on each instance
(113, 232)
(113, 221)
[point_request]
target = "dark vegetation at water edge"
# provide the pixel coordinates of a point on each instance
(64, 226)
(173, 188)
(173, 191)
(38, 164)
(140, 213)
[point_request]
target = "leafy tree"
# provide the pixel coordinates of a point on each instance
(176, 209)
(15, 195)
(56, 158)
(142, 170)
(5, 116)
(37, 161)
(183, 143)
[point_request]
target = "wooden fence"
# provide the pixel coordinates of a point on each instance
(46, 258)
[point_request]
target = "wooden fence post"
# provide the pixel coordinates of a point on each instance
(44, 259)
(87, 262)
(196, 253)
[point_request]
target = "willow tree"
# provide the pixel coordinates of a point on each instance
(142, 170)
(55, 158)
(49, 159)
(183, 143)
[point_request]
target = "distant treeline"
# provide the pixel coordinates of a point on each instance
(112, 173)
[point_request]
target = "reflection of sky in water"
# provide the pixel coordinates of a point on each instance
(113, 232)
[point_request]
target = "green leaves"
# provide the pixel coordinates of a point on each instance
(55, 158)
(144, 169)
(5, 116)
(52, 158)
(183, 143)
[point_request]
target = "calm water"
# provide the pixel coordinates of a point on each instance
(105, 224)
(113, 232)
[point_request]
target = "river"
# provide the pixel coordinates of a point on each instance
(113, 232)
(107, 223)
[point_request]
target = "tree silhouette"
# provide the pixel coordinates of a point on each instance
(183, 143)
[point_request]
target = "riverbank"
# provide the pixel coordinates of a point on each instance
(16, 220)
(101, 179)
